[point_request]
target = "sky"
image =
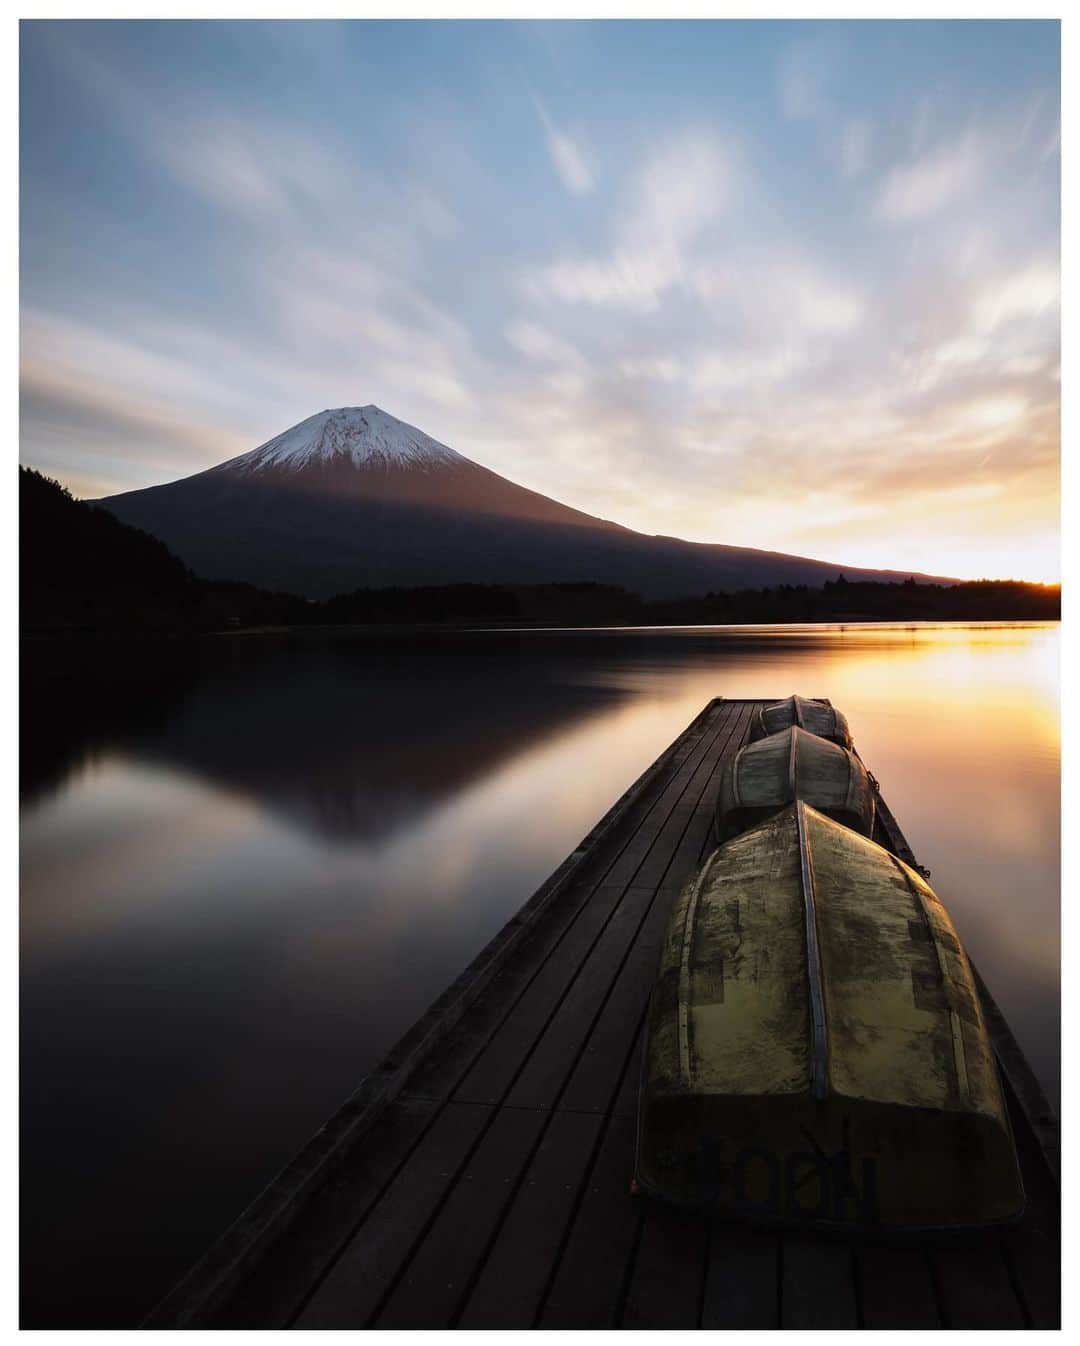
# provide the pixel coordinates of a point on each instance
(780, 284)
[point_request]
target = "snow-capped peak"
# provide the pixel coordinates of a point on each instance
(366, 435)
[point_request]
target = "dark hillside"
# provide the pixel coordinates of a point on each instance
(82, 570)
(80, 567)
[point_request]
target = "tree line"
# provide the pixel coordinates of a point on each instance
(82, 570)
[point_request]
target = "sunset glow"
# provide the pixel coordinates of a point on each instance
(782, 285)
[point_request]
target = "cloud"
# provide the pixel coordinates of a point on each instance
(566, 155)
(117, 430)
(926, 185)
(680, 189)
(435, 215)
(656, 368)
(855, 149)
(726, 370)
(777, 291)
(1027, 293)
(803, 77)
(537, 343)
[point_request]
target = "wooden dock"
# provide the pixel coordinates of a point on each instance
(480, 1176)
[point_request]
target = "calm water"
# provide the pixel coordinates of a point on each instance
(249, 865)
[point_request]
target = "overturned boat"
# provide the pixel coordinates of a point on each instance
(766, 775)
(816, 1050)
(819, 717)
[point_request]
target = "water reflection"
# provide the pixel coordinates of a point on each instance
(246, 871)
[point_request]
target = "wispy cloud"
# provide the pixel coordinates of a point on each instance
(931, 182)
(680, 189)
(567, 156)
(537, 343)
(803, 79)
(855, 149)
(1027, 293)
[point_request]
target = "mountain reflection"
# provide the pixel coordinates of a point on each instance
(351, 742)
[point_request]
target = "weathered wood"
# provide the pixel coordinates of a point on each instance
(588, 1282)
(896, 1287)
(371, 1261)
(783, 1022)
(668, 1271)
(554, 1055)
(492, 1072)
(642, 818)
(974, 1283)
(437, 1278)
(600, 1065)
(742, 1279)
(765, 776)
(481, 1176)
(513, 1279)
(500, 1061)
(817, 1282)
(280, 1284)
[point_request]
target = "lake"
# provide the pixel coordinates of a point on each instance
(249, 863)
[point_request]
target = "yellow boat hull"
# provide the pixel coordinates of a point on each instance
(816, 1050)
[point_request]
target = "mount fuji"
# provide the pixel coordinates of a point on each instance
(354, 497)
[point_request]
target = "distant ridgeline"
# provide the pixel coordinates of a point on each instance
(84, 571)
(836, 600)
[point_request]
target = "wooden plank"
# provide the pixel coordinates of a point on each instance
(588, 1281)
(494, 1070)
(437, 1276)
(277, 1287)
(600, 1066)
(817, 1283)
(1032, 1248)
(496, 1067)
(512, 1281)
(1033, 1256)
(633, 857)
(562, 1039)
(693, 804)
(742, 1279)
(700, 835)
(896, 1288)
(555, 1053)
(437, 1077)
(626, 1096)
(366, 1268)
(974, 1283)
(667, 1276)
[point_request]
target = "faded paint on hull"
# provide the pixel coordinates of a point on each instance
(816, 1050)
(766, 775)
(818, 717)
